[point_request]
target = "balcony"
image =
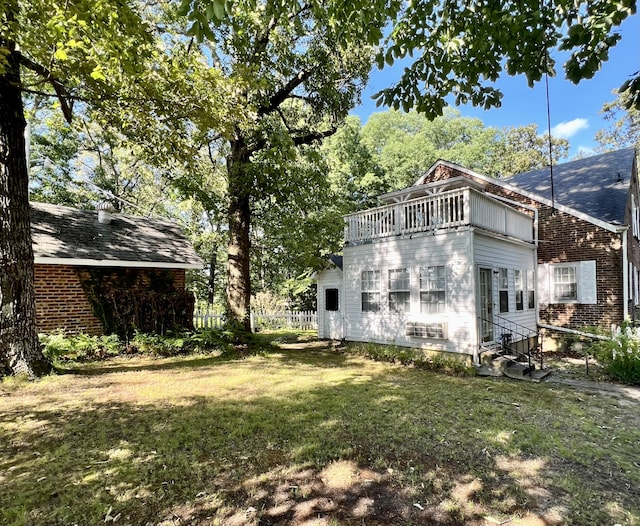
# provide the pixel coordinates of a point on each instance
(441, 211)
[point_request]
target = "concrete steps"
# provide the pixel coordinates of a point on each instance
(493, 363)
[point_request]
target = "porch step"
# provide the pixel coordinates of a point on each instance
(494, 364)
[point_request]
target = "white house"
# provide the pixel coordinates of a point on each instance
(432, 269)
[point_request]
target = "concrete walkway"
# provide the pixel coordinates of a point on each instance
(632, 393)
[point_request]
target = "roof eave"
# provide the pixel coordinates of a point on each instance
(78, 262)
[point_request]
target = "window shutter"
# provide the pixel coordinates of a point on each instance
(544, 293)
(587, 287)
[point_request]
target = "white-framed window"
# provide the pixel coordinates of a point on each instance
(518, 282)
(571, 282)
(503, 289)
(433, 286)
(370, 290)
(399, 290)
(531, 290)
(565, 284)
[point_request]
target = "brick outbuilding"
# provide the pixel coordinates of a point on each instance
(131, 260)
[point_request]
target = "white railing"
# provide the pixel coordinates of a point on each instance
(303, 320)
(441, 211)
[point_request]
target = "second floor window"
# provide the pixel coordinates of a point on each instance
(399, 292)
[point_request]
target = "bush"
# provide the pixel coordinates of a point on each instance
(59, 346)
(620, 356)
(409, 356)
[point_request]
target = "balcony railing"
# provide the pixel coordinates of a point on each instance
(446, 210)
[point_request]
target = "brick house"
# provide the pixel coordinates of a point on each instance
(126, 259)
(459, 258)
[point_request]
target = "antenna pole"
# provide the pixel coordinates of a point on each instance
(546, 80)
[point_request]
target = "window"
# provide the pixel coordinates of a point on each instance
(565, 284)
(331, 302)
(370, 282)
(436, 330)
(503, 289)
(399, 293)
(531, 287)
(432, 289)
(519, 286)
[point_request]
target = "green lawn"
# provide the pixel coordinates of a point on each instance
(305, 435)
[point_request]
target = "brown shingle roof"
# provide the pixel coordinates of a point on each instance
(63, 233)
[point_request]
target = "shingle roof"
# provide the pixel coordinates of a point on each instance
(597, 186)
(60, 232)
(336, 260)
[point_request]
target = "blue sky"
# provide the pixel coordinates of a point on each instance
(575, 110)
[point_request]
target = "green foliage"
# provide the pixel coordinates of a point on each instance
(620, 356)
(624, 125)
(60, 347)
(438, 362)
(463, 47)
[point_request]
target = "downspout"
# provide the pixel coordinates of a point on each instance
(625, 273)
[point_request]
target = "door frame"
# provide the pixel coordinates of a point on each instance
(485, 304)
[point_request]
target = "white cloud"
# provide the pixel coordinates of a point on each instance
(566, 130)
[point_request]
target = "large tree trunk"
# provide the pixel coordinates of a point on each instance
(238, 276)
(20, 350)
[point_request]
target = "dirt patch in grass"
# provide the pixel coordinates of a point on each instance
(305, 435)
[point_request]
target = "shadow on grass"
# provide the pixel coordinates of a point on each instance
(399, 447)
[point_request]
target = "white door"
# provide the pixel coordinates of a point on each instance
(333, 313)
(485, 300)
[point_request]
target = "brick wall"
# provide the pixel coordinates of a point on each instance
(62, 303)
(565, 238)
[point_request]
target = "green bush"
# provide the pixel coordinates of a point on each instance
(59, 346)
(409, 356)
(620, 356)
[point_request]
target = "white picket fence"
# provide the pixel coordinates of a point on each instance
(303, 320)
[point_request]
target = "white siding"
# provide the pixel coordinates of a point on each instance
(449, 249)
(495, 253)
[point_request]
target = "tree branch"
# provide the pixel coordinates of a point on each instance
(284, 92)
(66, 101)
(314, 136)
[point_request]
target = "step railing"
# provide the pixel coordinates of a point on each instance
(516, 339)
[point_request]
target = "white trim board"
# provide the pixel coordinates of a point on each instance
(114, 263)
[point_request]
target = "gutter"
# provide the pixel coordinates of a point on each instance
(572, 331)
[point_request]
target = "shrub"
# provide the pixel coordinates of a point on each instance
(59, 346)
(409, 356)
(620, 356)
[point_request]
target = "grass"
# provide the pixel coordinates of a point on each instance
(302, 434)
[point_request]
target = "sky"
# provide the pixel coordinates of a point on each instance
(575, 109)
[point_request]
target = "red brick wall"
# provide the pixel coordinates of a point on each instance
(62, 303)
(565, 238)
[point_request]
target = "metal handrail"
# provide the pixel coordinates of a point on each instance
(510, 328)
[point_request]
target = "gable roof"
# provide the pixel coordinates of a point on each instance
(597, 185)
(336, 260)
(64, 235)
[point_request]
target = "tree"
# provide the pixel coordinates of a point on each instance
(65, 50)
(464, 46)
(524, 150)
(292, 72)
(624, 127)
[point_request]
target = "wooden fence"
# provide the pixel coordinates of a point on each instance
(303, 320)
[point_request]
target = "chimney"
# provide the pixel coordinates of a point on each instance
(105, 210)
